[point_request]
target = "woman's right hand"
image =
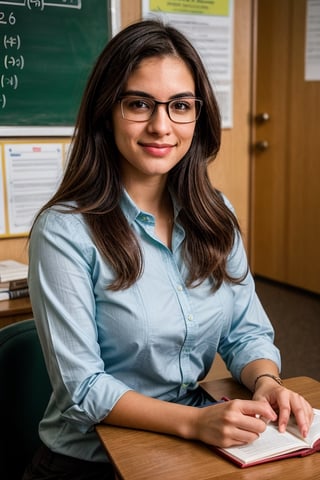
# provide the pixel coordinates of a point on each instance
(236, 422)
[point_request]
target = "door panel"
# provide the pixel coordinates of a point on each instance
(286, 199)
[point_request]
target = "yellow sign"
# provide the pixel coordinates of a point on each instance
(195, 7)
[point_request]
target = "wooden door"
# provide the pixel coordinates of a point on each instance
(286, 150)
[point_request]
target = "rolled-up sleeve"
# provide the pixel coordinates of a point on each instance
(61, 283)
(250, 335)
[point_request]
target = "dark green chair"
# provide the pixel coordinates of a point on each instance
(24, 393)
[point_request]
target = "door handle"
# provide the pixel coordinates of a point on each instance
(262, 117)
(262, 145)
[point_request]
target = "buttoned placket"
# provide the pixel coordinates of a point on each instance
(147, 222)
(190, 340)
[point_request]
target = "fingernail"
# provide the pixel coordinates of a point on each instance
(266, 420)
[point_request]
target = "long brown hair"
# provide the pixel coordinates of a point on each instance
(92, 177)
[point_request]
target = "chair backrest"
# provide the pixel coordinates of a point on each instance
(24, 393)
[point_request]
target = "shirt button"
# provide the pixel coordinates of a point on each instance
(185, 385)
(179, 288)
(190, 318)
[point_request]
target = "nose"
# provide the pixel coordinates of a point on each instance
(160, 122)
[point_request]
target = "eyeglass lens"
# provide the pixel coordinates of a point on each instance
(180, 110)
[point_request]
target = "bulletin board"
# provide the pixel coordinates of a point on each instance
(48, 50)
(30, 172)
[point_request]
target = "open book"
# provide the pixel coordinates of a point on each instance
(273, 445)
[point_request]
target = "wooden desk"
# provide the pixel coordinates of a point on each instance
(12, 311)
(139, 455)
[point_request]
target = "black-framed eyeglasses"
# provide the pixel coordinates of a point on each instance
(179, 110)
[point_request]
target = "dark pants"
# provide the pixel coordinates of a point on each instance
(47, 465)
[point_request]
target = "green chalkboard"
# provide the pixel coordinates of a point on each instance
(48, 48)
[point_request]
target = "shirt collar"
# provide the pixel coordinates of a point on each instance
(132, 211)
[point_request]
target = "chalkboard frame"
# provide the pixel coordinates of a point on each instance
(113, 9)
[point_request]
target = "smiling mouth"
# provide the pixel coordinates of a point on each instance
(156, 145)
(157, 149)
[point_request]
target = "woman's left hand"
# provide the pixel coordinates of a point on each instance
(286, 402)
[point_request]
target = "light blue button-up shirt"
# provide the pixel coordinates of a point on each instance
(157, 337)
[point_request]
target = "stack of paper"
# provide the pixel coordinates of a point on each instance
(13, 279)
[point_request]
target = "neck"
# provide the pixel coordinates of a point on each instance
(155, 199)
(152, 196)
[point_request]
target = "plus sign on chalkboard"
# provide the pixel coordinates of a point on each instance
(47, 50)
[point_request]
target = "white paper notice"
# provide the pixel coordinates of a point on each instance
(209, 26)
(33, 172)
(312, 54)
(2, 208)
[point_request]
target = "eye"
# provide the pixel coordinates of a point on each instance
(138, 104)
(182, 105)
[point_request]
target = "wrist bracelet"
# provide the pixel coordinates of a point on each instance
(274, 377)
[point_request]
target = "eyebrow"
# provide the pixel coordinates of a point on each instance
(140, 93)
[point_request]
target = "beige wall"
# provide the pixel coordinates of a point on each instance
(231, 170)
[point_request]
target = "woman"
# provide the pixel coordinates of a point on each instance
(138, 275)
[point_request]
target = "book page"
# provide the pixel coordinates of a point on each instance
(314, 432)
(270, 443)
